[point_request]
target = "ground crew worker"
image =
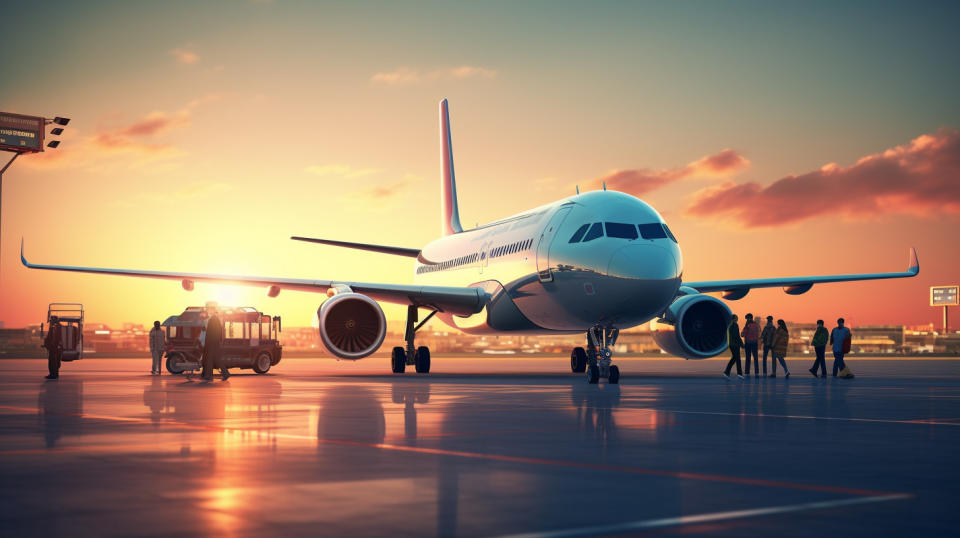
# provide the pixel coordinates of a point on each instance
(840, 340)
(211, 346)
(54, 348)
(750, 334)
(819, 343)
(158, 340)
(736, 343)
(780, 340)
(767, 338)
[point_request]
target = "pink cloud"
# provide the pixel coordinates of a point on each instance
(918, 178)
(641, 181)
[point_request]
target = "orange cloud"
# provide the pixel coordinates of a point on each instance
(919, 178)
(644, 180)
(403, 75)
(185, 56)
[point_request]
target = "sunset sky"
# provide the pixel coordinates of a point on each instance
(776, 138)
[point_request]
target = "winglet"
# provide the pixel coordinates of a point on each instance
(22, 259)
(914, 267)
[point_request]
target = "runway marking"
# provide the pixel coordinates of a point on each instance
(602, 467)
(704, 518)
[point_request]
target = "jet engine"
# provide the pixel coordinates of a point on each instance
(352, 326)
(693, 327)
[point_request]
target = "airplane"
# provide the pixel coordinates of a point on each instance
(594, 263)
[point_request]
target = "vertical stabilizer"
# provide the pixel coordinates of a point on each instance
(449, 213)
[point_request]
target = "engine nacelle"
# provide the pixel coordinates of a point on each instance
(352, 326)
(693, 327)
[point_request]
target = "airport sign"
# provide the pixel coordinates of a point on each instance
(22, 134)
(944, 296)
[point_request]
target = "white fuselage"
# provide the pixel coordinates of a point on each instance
(540, 281)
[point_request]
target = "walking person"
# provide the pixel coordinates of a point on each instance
(52, 342)
(736, 343)
(780, 340)
(751, 334)
(158, 341)
(767, 338)
(819, 343)
(211, 346)
(840, 338)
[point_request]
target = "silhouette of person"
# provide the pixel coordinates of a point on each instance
(54, 347)
(211, 346)
(735, 344)
(819, 343)
(839, 340)
(751, 334)
(158, 340)
(767, 338)
(780, 340)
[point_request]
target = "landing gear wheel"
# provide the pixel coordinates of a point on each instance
(262, 363)
(614, 375)
(398, 360)
(578, 360)
(422, 360)
(593, 374)
(175, 363)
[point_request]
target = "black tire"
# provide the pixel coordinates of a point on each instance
(398, 360)
(422, 360)
(593, 374)
(172, 360)
(578, 360)
(262, 363)
(614, 375)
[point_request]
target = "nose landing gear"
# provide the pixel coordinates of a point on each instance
(418, 357)
(597, 358)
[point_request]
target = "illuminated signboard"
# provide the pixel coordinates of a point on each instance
(23, 134)
(944, 296)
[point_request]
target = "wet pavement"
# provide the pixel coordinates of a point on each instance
(479, 448)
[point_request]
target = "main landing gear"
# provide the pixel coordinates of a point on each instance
(597, 358)
(419, 357)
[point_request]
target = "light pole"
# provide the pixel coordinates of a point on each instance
(21, 134)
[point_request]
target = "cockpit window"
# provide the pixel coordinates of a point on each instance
(621, 231)
(595, 231)
(578, 235)
(652, 231)
(669, 233)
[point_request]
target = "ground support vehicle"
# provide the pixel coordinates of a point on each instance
(250, 339)
(70, 316)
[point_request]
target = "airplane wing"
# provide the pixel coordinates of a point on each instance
(736, 289)
(460, 301)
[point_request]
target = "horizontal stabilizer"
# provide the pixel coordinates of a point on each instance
(383, 249)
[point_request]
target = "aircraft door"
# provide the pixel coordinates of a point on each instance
(546, 239)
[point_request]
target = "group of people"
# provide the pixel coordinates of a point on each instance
(775, 340)
(211, 340)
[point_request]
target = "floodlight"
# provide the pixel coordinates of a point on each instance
(56, 131)
(53, 144)
(61, 121)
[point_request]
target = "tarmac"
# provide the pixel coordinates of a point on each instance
(481, 447)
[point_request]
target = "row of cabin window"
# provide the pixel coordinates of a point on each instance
(511, 248)
(499, 251)
(654, 230)
(456, 262)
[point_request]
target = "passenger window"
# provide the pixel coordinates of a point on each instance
(578, 235)
(652, 231)
(595, 231)
(621, 231)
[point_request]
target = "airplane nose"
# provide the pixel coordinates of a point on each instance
(643, 262)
